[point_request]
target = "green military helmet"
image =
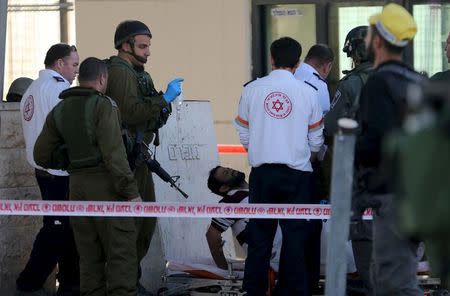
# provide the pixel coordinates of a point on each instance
(127, 29)
(18, 88)
(354, 43)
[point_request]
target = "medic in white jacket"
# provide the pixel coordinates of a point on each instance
(280, 121)
(36, 103)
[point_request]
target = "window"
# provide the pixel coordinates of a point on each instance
(32, 27)
(297, 21)
(433, 23)
(349, 18)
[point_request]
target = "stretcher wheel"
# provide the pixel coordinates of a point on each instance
(161, 290)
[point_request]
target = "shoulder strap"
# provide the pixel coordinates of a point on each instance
(363, 75)
(58, 79)
(318, 76)
(248, 82)
(91, 103)
(310, 84)
(113, 103)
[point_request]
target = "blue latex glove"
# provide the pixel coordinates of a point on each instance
(173, 90)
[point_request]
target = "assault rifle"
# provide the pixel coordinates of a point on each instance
(155, 167)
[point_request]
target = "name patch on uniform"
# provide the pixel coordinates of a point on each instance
(336, 98)
(28, 108)
(278, 105)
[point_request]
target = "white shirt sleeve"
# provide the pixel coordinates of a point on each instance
(241, 120)
(315, 126)
(324, 97)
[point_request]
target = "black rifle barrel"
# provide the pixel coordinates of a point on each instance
(154, 166)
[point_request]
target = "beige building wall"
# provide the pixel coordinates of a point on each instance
(207, 42)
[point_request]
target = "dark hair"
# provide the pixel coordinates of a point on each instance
(321, 54)
(56, 52)
(389, 47)
(213, 184)
(91, 68)
(285, 52)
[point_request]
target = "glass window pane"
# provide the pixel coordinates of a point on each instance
(32, 27)
(433, 22)
(350, 17)
(297, 21)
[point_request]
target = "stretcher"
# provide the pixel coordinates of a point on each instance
(202, 279)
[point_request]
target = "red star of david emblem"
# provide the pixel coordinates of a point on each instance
(27, 107)
(277, 105)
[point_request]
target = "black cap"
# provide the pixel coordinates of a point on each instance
(127, 29)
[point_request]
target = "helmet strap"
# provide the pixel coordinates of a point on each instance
(133, 53)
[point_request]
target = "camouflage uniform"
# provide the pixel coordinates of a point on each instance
(345, 104)
(142, 110)
(93, 152)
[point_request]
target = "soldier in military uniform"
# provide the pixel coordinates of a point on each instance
(345, 102)
(93, 153)
(350, 86)
(143, 109)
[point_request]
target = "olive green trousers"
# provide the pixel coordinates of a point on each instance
(107, 245)
(145, 227)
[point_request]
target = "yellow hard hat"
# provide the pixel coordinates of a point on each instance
(395, 24)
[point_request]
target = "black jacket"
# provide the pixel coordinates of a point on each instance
(382, 109)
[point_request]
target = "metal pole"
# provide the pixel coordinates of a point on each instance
(3, 13)
(341, 194)
(63, 21)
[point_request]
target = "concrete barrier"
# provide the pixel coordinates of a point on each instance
(16, 182)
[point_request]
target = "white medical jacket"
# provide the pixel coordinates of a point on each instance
(39, 99)
(280, 121)
(307, 73)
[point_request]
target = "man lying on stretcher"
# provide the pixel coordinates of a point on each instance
(232, 187)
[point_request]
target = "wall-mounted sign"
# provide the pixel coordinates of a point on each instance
(277, 12)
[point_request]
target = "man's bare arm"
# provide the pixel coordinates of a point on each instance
(214, 238)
